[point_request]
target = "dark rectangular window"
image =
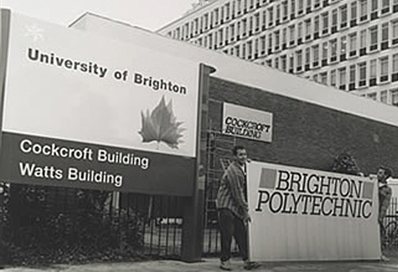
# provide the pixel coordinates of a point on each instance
(384, 45)
(372, 82)
(394, 77)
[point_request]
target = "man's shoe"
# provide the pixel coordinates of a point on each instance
(384, 258)
(251, 265)
(226, 265)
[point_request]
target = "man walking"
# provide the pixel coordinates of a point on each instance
(385, 192)
(232, 208)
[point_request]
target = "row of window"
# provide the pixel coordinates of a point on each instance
(362, 74)
(384, 96)
(330, 21)
(355, 44)
(281, 39)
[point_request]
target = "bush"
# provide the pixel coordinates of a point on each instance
(40, 232)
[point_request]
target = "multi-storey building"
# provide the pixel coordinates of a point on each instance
(351, 45)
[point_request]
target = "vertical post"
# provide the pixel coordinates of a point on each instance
(5, 16)
(193, 226)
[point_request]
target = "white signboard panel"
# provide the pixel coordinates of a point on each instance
(247, 123)
(303, 214)
(109, 106)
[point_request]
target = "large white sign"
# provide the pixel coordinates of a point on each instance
(248, 123)
(92, 102)
(303, 214)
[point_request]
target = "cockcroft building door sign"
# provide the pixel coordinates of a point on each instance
(86, 111)
(239, 121)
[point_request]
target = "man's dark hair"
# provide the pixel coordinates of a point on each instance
(236, 148)
(387, 171)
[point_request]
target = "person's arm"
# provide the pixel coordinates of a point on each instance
(386, 192)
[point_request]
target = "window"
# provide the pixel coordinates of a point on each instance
(333, 78)
(334, 21)
(244, 27)
(299, 32)
(284, 38)
(363, 10)
(362, 74)
(262, 44)
(351, 85)
(257, 21)
(308, 6)
(343, 16)
(284, 10)
(270, 16)
(394, 67)
(307, 58)
(269, 44)
(291, 35)
(323, 78)
(300, 8)
(277, 40)
(276, 63)
(362, 42)
(249, 47)
(343, 47)
(216, 16)
(325, 23)
(299, 60)
(373, 38)
(383, 69)
(292, 8)
(372, 73)
(353, 44)
(232, 31)
(316, 27)
(278, 14)
(307, 29)
(291, 63)
(394, 32)
(394, 97)
(283, 63)
(353, 21)
(333, 50)
(383, 97)
(264, 20)
(385, 6)
(324, 53)
(372, 96)
(374, 5)
(342, 78)
(315, 53)
(384, 36)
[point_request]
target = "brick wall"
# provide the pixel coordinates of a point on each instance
(305, 134)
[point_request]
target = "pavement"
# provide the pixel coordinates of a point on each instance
(211, 265)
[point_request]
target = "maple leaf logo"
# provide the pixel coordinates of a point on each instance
(161, 125)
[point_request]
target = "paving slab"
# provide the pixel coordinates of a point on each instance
(211, 265)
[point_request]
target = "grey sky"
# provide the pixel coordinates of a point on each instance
(149, 14)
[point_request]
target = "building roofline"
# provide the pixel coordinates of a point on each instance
(188, 13)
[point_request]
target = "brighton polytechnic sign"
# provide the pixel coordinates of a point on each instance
(303, 214)
(86, 111)
(239, 121)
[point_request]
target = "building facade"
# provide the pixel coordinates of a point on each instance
(351, 45)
